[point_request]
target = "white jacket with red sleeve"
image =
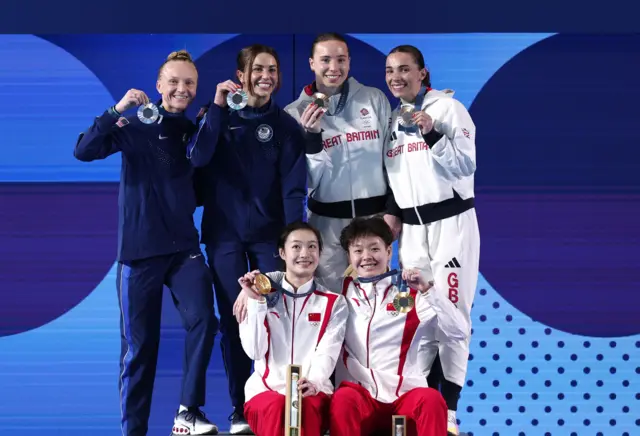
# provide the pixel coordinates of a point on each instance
(307, 331)
(382, 349)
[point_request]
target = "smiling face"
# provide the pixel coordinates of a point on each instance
(403, 76)
(330, 63)
(261, 78)
(301, 253)
(178, 83)
(369, 256)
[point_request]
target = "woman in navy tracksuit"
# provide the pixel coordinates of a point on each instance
(158, 244)
(254, 185)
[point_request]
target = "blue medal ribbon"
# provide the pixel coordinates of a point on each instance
(398, 280)
(273, 297)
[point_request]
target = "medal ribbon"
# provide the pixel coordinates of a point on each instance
(398, 281)
(273, 297)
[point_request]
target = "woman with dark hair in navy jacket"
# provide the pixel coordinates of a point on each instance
(254, 185)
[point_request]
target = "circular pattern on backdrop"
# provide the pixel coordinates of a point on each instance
(535, 378)
(60, 238)
(547, 117)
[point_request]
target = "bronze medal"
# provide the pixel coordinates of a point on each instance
(320, 100)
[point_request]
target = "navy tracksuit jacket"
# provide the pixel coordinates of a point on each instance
(254, 185)
(158, 245)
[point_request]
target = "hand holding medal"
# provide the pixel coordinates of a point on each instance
(408, 116)
(416, 281)
(147, 112)
(312, 115)
(230, 94)
(255, 284)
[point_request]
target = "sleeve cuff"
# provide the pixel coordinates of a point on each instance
(432, 137)
(257, 306)
(313, 142)
(107, 119)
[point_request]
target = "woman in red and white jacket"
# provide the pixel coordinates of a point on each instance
(389, 343)
(300, 323)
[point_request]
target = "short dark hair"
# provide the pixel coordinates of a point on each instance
(329, 36)
(416, 54)
(363, 227)
(298, 225)
(248, 55)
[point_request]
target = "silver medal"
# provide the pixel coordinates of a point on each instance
(237, 100)
(148, 113)
(405, 117)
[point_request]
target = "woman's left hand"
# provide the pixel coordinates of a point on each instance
(424, 121)
(307, 388)
(415, 280)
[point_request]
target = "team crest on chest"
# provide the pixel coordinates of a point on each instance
(264, 133)
(391, 310)
(314, 319)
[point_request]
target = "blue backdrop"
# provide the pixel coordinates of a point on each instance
(556, 334)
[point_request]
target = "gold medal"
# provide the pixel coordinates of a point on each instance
(403, 302)
(405, 117)
(320, 100)
(263, 284)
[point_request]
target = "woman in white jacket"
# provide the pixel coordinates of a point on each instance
(300, 323)
(431, 161)
(345, 140)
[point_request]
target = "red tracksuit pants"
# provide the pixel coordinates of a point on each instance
(354, 412)
(265, 414)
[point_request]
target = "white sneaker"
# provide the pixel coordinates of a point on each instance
(452, 428)
(192, 422)
(239, 424)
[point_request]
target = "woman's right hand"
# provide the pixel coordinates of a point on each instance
(240, 307)
(311, 117)
(222, 90)
(247, 283)
(133, 97)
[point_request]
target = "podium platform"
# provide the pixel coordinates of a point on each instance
(326, 434)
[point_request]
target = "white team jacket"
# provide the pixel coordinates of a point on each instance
(350, 167)
(420, 174)
(306, 331)
(382, 348)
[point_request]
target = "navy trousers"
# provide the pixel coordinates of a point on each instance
(229, 262)
(140, 286)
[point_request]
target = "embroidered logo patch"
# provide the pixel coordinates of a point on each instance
(314, 318)
(122, 121)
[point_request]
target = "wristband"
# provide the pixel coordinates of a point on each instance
(114, 112)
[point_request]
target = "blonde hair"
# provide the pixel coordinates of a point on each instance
(180, 55)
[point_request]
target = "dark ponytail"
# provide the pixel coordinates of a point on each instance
(417, 58)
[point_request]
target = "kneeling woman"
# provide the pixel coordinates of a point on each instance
(300, 323)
